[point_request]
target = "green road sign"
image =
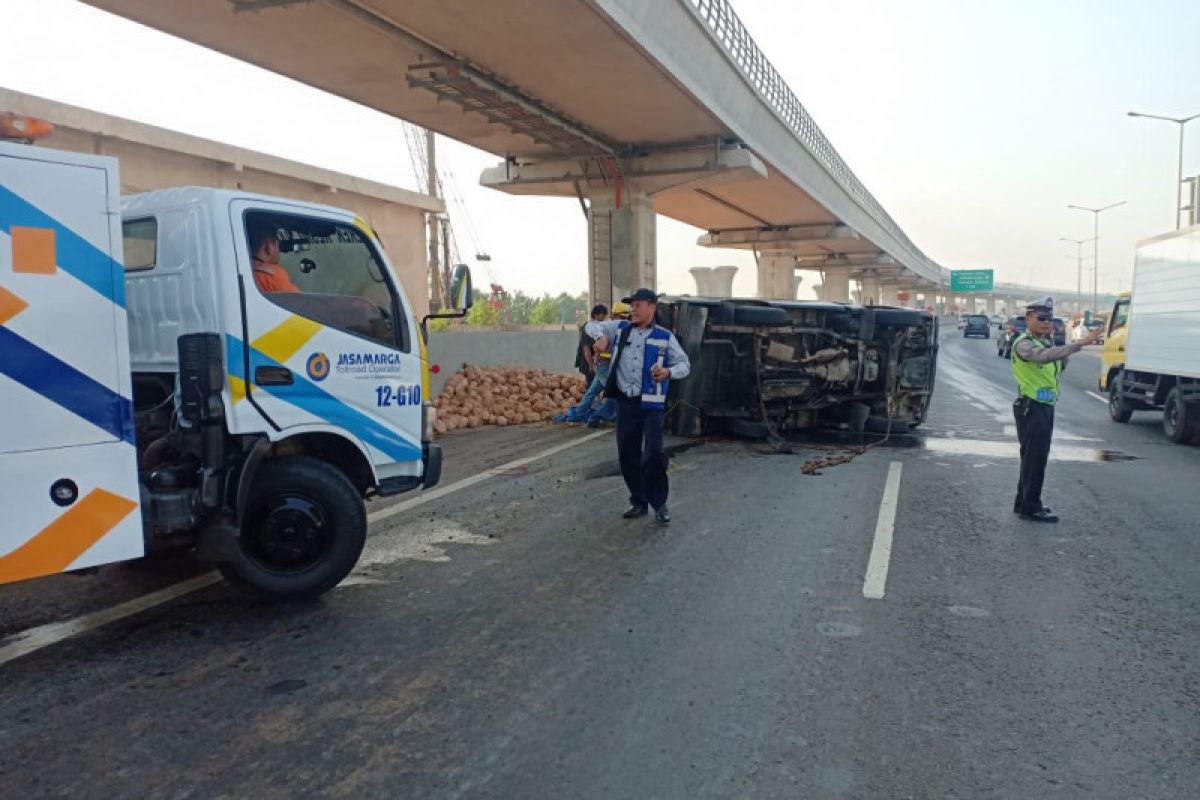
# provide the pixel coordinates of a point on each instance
(971, 280)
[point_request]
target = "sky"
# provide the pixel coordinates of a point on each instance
(974, 122)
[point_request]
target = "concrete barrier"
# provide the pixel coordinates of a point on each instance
(528, 346)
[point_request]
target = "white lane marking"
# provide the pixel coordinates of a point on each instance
(31, 640)
(881, 550)
(1099, 397)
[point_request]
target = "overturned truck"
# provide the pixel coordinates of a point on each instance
(772, 367)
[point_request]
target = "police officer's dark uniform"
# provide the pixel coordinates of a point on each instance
(1036, 365)
(641, 404)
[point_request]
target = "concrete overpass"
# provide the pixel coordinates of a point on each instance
(633, 107)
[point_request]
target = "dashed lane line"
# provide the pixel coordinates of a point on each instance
(885, 525)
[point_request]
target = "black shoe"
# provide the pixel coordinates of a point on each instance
(1044, 508)
(662, 516)
(1040, 516)
(633, 512)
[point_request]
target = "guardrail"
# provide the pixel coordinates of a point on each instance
(728, 31)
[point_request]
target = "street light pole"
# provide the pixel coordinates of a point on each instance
(1079, 243)
(1096, 248)
(1180, 121)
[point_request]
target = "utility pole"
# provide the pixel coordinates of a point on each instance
(1079, 243)
(447, 300)
(435, 276)
(1096, 248)
(1180, 121)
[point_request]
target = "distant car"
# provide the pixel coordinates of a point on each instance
(962, 321)
(1081, 329)
(1060, 331)
(998, 321)
(977, 325)
(1014, 328)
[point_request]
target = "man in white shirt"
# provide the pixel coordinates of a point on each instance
(645, 357)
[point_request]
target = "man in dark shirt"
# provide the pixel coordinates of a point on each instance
(585, 360)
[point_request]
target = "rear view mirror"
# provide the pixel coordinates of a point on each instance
(462, 295)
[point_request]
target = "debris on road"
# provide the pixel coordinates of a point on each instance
(502, 396)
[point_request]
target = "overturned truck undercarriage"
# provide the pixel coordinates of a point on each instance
(762, 367)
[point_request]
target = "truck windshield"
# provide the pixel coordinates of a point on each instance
(1120, 315)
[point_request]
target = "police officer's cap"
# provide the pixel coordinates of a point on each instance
(641, 294)
(1041, 304)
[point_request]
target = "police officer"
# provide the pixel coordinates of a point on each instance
(645, 357)
(1037, 365)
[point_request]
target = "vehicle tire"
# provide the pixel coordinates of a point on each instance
(304, 528)
(1181, 421)
(1117, 410)
(759, 315)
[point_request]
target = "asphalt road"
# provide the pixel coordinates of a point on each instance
(515, 638)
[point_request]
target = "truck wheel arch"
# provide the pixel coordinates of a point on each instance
(342, 452)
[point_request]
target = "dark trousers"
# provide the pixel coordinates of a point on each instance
(1035, 426)
(640, 451)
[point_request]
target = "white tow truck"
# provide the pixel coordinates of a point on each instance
(159, 380)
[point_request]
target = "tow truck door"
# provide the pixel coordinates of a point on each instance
(341, 352)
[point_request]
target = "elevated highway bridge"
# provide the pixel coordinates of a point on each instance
(635, 108)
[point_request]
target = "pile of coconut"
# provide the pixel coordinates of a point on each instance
(504, 396)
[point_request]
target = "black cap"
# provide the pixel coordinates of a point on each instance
(641, 294)
(599, 308)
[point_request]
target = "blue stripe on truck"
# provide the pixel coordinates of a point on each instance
(307, 396)
(62, 384)
(75, 255)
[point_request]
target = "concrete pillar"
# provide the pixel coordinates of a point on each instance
(796, 281)
(837, 286)
(775, 273)
(991, 304)
(714, 281)
(622, 245)
(887, 295)
(869, 292)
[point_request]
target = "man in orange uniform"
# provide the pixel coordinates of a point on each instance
(269, 274)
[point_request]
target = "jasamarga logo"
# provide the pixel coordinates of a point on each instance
(368, 365)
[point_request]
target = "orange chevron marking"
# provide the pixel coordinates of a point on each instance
(65, 539)
(10, 305)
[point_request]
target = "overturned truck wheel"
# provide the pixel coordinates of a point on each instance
(303, 531)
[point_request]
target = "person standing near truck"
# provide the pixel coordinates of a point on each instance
(1037, 367)
(585, 356)
(644, 358)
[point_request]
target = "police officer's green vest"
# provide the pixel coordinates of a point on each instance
(1037, 381)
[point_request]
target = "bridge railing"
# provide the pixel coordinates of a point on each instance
(727, 30)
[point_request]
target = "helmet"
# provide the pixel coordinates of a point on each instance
(620, 308)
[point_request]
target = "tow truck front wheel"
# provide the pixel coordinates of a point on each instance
(1117, 410)
(303, 531)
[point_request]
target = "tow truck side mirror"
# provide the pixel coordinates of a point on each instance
(461, 290)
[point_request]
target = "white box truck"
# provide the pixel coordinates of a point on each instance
(235, 370)
(1152, 349)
